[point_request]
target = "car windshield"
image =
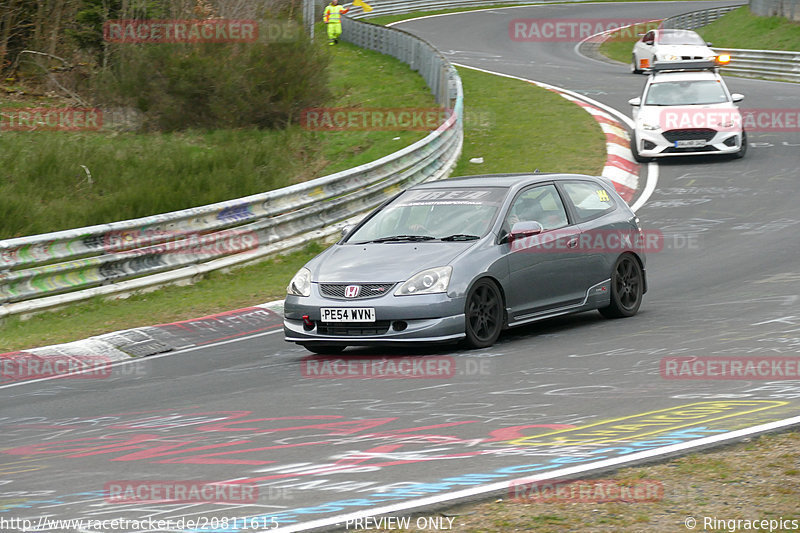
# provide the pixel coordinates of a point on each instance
(433, 214)
(680, 37)
(686, 93)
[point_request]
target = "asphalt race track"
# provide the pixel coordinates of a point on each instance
(574, 392)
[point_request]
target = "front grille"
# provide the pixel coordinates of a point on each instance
(689, 133)
(351, 329)
(367, 290)
(673, 150)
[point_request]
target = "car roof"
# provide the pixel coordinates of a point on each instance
(674, 30)
(685, 75)
(500, 180)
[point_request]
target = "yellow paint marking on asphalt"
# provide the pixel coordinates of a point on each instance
(648, 423)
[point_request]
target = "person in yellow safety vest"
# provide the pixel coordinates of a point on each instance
(333, 18)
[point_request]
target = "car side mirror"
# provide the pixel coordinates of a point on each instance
(736, 97)
(525, 228)
(709, 44)
(635, 102)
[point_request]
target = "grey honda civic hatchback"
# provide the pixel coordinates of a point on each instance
(462, 259)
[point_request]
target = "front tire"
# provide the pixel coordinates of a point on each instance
(323, 349)
(635, 151)
(743, 149)
(634, 70)
(627, 288)
(483, 314)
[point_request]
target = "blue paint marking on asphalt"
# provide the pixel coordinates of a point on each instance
(509, 472)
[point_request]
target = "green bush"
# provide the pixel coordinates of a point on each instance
(216, 85)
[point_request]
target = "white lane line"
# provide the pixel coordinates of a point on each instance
(278, 329)
(553, 474)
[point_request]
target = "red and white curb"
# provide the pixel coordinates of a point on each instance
(620, 166)
(122, 347)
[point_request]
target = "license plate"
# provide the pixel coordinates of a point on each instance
(348, 314)
(690, 143)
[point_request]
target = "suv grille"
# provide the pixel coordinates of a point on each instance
(690, 133)
(368, 290)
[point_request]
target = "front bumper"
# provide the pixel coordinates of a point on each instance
(653, 143)
(430, 318)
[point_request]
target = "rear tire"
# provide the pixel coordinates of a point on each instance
(483, 314)
(323, 349)
(627, 288)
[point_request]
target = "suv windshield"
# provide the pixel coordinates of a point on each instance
(428, 214)
(686, 93)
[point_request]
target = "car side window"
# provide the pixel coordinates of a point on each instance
(541, 204)
(589, 199)
(649, 37)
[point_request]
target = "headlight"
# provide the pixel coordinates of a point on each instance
(649, 126)
(300, 284)
(428, 281)
(670, 57)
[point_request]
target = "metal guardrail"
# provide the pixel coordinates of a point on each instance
(395, 7)
(768, 64)
(46, 270)
(695, 19)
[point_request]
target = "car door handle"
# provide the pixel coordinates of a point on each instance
(573, 242)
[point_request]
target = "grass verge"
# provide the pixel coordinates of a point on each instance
(742, 29)
(44, 186)
(514, 125)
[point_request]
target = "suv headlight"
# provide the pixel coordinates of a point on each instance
(300, 284)
(428, 281)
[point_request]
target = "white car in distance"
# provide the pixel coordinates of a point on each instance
(669, 45)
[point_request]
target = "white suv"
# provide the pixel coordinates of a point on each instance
(686, 110)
